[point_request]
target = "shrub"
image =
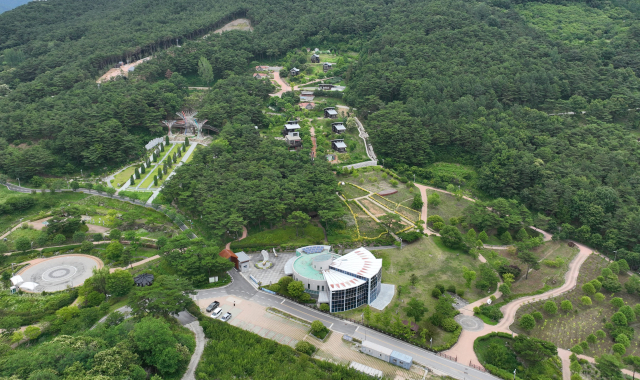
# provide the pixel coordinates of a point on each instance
(624, 340)
(599, 297)
(636, 309)
(513, 269)
(317, 328)
(596, 284)
(612, 285)
(592, 338)
(506, 238)
(577, 349)
(305, 347)
(617, 302)
(628, 312)
(435, 293)
(527, 322)
(460, 292)
(619, 349)
(438, 226)
(537, 315)
(606, 272)
(623, 265)
(275, 287)
(491, 311)
(589, 289)
(566, 306)
(433, 219)
(615, 268)
(601, 334)
(586, 301)
(451, 288)
(550, 307)
(584, 345)
(619, 319)
(449, 325)
(483, 237)
(440, 287)
(324, 307)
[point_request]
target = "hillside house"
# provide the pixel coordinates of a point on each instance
(291, 126)
(307, 106)
(315, 58)
(260, 76)
(338, 128)
(330, 113)
(327, 66)
(293, 72)
(262, 68)
(339, 146)
(293, 140)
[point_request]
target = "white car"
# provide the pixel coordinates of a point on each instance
(226, 317)
(216, 313)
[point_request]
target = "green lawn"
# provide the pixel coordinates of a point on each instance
(351, 192)
(124, 176)
(31, 234)
(449, 206)
(141, 195)
(281, 236)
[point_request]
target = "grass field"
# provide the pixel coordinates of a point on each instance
(568, 329)
(351, 192)
(120, 179)
(449, 206)
(141, 195)
(20, 232)
(45, 202)
(283, 235)
(547, 277)
(432, 263)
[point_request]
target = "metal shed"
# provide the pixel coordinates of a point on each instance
(243, 261)
(400, 359)
(376, 350)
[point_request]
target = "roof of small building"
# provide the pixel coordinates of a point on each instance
(400, 356)
(306, 92)
(257, 75)
(292, 138)
(340, 281)
(242, 257)
(360, 262)
(331, 111)
(292, 126)
(304, 105)
(227, 253)
(339, 126)
(376, 347)
(307, 97)
(340, 144)
(262, 67)
(295, 69)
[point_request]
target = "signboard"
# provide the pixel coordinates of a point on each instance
(213, 279)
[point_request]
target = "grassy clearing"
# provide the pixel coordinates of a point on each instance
(280, 236)
(29, 233)
(121, 178)
(449, 206)
(373, 180)
(46, 201)
(432, 263)
(444, 173)
(352, 192)
(568, 329)
(141, 195)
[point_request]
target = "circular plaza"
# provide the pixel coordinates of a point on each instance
(58, 273)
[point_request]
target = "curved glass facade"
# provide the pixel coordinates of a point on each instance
(347, 299)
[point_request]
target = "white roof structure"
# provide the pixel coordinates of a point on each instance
(242, 257)
(292, 125)
(366, 369)
(360, 262)
(28, 285)
(332, 112)
(340, 127)
(17, 279)
(340, 144)
(339, 281)
(376, 347)
(288, 266)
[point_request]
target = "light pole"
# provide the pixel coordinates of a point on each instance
(431, 342)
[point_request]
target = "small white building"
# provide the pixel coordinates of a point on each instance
(376, 350)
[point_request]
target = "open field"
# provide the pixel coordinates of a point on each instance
(351, 192)
(449, 206)
(567, 329)
(279, 236)
(121, 178)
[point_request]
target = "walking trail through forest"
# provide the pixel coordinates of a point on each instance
(463, 349)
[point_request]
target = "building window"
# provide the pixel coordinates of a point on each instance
(323, 288)
(308, 286)
(319, 287)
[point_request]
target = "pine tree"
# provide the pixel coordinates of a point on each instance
(161, 147)
(186, 141)
(142, 169)
(137, 174)
(155, 180)
(167, 140)
(159, 173)
(131, 181)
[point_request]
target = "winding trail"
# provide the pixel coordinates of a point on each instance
(244, 235)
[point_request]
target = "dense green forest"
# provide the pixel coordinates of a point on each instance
(446, 80)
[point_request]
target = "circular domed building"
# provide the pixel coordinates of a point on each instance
(344, 282)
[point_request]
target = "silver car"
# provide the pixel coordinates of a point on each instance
(226, 317)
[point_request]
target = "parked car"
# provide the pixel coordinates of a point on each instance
(216, 313)
(212, 306)
(226, 317)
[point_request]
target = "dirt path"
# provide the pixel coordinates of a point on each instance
(312, 132)
(284, 87)
(244, 235)
(463, 350)
(136, 264)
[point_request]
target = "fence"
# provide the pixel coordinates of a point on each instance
(478, 367)
(361, 165)
(443, 355)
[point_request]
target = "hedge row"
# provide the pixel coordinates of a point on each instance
(451, 341)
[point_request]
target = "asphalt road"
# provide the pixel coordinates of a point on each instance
(243, 289)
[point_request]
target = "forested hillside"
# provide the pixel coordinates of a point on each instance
(468, 82)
